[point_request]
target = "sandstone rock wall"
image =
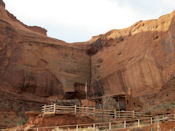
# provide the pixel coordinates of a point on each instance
(37, 64)
(140, 57)
(35, 69)
(41, 68)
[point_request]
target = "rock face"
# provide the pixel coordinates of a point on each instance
(2, 3)
(35, 68)
(32, 62)
(140, 58)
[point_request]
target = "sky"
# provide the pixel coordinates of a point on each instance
(79, 20)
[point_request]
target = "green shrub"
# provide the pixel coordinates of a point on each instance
(21, 121)
(172, 104)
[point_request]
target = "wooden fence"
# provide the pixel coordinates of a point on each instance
(89, 111)
(113, 125)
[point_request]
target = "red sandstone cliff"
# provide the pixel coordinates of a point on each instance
(140, 57)
(34, 67)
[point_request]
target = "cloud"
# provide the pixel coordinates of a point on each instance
(169, 3)
(78, 20)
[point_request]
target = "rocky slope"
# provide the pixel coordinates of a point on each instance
(35, 68)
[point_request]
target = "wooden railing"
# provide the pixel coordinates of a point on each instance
(89, 111)
(112, 125)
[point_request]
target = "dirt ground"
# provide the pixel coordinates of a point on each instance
(66, 119)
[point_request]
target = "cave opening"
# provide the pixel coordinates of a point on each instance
(70, 96)
(78, 93)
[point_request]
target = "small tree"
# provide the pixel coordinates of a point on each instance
(21, 121)
(109, 103)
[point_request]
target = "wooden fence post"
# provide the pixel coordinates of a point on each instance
(94, 125)
(124, 124)
(109, 125)
(76, 127)
(118, 114)
(138, 123)
(158, 126)
(75, 109)
(44, 108)
(151, 120)
(54, 107)
(133, 114)
(115, 114)
(94, 111)
(163, 116)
